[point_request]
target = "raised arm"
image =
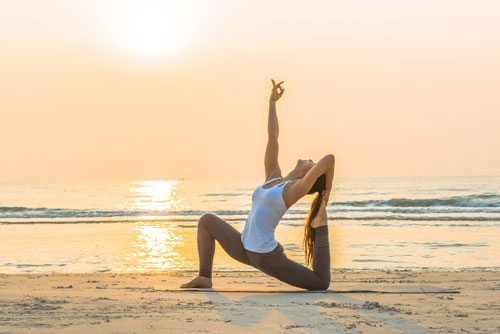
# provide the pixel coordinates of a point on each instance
(271, 158)
(329, 180)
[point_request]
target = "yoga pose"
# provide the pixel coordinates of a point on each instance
(256, 245)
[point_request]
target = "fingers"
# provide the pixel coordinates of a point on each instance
(276, 85)
(281, 92)
(277, 90)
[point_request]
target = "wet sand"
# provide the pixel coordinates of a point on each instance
(129, 303)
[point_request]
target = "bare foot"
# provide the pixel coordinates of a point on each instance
(198, 282)
(321, 218)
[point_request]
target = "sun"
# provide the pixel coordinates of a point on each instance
(151, 29)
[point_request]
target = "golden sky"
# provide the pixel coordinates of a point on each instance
(128, 90)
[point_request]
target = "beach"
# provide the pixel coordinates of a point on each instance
(408, 255)
(136, 303)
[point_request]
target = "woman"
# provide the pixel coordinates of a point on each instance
(256, 245)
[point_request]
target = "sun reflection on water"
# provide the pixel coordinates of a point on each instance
(156, 246)
(159, 195)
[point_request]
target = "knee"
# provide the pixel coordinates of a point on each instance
(205, 219)
(323, 285)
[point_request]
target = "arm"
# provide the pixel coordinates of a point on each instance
(325, 165)
(271, 158)
(329, 181)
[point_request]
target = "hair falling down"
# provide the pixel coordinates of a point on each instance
(309, 232)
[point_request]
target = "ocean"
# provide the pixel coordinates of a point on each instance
(428, 223)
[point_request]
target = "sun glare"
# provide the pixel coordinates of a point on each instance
(158, 248)
(153, 29)
(157, 245)
(156, 195)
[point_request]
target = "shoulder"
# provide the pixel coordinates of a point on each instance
(291, 192)
(292, 183)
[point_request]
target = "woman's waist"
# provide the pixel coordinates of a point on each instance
(265, 227)
(274, 250)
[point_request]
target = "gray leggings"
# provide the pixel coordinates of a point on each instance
(274, 263)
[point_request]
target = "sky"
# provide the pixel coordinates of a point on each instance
(139, 90)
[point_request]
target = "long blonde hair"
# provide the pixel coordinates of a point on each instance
(309, 232)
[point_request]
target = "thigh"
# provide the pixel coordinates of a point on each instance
(228, 237)
(290, 272)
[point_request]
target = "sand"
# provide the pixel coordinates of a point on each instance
(129, 303)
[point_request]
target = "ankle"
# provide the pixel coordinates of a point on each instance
(320, 226)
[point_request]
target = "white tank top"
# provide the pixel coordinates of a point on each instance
(268, 206)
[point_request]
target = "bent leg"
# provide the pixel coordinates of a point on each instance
(211, 228)
(293, 273)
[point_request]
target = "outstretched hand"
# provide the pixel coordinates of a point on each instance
(276, 92)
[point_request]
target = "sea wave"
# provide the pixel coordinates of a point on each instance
(480, 207)
(476, 200)
(333, 213)
(379, 220)
(24, 212)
